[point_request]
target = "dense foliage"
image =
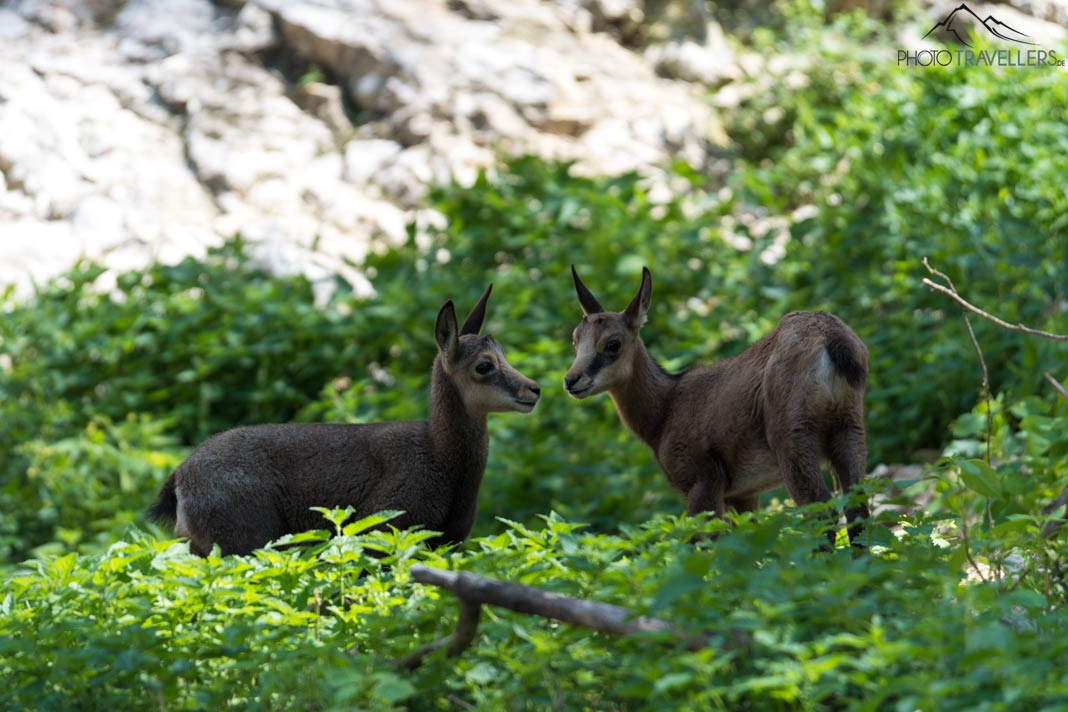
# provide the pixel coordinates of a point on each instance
(863, 166)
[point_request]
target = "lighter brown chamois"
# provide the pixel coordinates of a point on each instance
(245, 487)
(726, 432)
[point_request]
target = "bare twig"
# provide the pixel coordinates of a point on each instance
(1051, 527)
(952, 291)
(474, 591)
(967, 547)
(459, 641)
(1056, 385)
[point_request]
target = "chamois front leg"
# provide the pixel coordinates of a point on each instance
(701, 477)
(706, 495)
(744, 504)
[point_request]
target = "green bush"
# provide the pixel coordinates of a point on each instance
(146, 625)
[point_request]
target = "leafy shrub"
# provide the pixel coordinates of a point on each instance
(85, 484)
(208, 344)
(145, 624)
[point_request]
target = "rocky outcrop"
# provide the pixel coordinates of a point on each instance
(136, 129)
(153, 128)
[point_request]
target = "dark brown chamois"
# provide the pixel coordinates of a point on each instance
(245, 487)
(727, 432)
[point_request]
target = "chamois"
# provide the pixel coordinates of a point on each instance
(247, 486)
(724, 433)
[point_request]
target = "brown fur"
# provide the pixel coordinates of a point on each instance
(727, 432)
(245, 487)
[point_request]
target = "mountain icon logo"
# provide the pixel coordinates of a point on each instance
(956, 24)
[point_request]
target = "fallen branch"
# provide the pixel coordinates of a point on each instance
(459, 641)
(474, 591)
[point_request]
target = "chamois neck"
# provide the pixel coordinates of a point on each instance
(458, 438)
(644, 399)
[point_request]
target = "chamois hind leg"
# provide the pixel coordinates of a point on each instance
(706, 495)
(236, 515)
(799, 455)
(199, 544)
(847, 450)
(741, 505)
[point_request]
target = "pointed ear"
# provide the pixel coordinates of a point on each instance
(445, 331)
(474, 320)
(639, 306)
(589, 303)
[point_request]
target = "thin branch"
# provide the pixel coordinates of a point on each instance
(952, 293)
(1051, 527)
(1056, 385)
(967, 547)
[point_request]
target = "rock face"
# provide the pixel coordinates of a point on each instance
(154, 128)
(134, 129)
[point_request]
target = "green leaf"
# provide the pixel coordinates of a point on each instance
(368, 522)
(981, 478)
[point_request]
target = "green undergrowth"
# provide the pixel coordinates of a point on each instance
(144, 625)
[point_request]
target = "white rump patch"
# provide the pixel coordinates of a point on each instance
(827, 375)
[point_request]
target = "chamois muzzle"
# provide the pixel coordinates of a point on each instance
(580, 385)
(527, 397)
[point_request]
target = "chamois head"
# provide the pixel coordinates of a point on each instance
(476, 364)
(606, 342)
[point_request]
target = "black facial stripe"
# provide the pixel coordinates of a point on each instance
(598, 362)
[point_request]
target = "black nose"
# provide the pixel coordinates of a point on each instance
(535, 390)
(570, 381)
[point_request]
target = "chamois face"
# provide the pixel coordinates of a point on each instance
(487, 382)
(477, 367)
(604, 347)
(605, 342)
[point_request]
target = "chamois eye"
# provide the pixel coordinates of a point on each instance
(483, 368)
(613, 346)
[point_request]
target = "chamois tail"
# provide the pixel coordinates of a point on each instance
(847, 359)
(166, 507)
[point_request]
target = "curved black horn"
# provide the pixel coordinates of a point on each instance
(589, 303)
(473, 324)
